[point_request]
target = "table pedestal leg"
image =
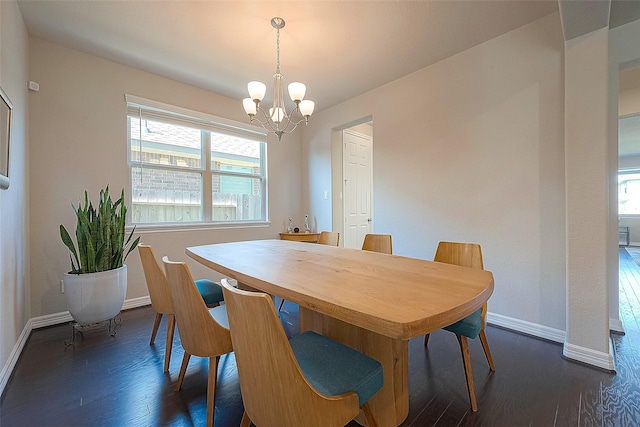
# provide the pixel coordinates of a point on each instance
(390, 405)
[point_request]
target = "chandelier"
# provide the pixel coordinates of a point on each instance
(278, 121)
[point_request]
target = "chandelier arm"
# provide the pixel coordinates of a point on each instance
(295, 125)
(286, 129)
(304, 119)
(268, 124)
(292, 123)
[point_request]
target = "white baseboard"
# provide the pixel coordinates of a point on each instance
(591, 357)
(49, 320)
(7, 369)
(570, 351)
(616, 325)
(64, 316)
(528, 328)
(136, 302)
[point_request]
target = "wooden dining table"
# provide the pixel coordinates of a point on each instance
(372, 302)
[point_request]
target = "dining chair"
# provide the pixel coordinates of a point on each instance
(204, 332)
(309, 380)
(331, 238)
(472, 326)
(377, 243)
(162, 302)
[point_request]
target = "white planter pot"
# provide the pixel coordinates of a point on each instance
(95, 297)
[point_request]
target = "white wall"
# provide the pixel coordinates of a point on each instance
(588, 187)
(471, 149)
(14, 259)
(79, 141)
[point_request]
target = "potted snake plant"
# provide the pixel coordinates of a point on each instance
(96, 286)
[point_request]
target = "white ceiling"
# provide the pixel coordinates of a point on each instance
(340, 49)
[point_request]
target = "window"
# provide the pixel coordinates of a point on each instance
(629, 193)
(188, 167)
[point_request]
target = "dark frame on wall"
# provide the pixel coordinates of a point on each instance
(5, 138)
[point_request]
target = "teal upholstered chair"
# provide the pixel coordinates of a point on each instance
(162, 302)
(472, 326)
(309, 381)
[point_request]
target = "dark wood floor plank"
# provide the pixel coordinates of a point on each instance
(105, 381)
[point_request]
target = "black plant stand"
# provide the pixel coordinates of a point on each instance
(76, 328)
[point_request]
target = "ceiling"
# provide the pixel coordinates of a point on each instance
(339, 49)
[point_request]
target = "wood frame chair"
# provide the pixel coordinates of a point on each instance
(162, 303)
(204, 332)
(466, 255)
(160, 298)
(377, 243)
(331, 238)
(281, 380)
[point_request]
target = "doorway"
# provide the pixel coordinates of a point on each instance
(357, 187)
(352, 181)
(628, 185)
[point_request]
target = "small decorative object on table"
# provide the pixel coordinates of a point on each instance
(296, 230)
(307, 229)
(290, 227)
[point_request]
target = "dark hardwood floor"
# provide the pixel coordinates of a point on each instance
(104, 381)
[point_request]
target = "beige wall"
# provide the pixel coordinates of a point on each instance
(629, 102)
(79, 141)
(588, 186)
(471, 149)
(14, 259)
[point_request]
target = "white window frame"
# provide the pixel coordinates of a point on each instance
(633, 171)
(159, 111)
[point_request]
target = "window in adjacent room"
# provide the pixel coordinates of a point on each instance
(191, 168)
(629, 193)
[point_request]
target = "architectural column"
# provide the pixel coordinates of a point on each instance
(587, 190)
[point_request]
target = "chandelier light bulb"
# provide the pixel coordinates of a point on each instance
(306, 107)
(277, 115)
(257, 90)
(249, 106)
(297, 91)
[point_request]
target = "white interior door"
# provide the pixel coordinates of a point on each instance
(357, 187)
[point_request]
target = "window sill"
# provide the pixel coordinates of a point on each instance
(173, 227)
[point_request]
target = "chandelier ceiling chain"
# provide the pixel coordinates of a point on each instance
(277, 23)
(277, 120)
